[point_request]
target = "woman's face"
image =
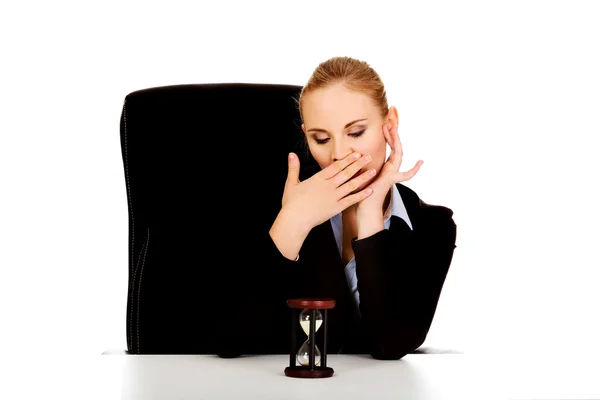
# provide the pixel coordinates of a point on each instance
(338, 122)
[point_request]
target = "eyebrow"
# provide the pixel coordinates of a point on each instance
(345, 126)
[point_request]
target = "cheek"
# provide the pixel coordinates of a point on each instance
(377, 151)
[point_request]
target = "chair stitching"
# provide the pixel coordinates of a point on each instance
(139, 290)
(131, 215)
(144, 245)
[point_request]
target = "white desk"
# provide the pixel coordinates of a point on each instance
(415, 377)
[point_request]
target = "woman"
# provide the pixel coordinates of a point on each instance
(352, 231)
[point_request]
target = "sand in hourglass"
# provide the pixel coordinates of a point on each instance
(306, 326)
(303, 356)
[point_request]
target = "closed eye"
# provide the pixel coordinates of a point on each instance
(357, 134)
(354, 134)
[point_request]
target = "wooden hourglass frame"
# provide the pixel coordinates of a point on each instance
(311, 310)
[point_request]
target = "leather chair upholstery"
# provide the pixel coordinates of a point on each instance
(205, 166)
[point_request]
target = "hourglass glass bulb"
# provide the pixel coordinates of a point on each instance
(305, 316)
(303, 355)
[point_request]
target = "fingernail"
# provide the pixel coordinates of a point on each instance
(291, 157)
(367, 158)
(372, 172)
(356, 156)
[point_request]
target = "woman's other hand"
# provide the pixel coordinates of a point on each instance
(369, 212)
(389, 174)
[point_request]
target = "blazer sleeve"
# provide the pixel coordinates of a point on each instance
(400, 275)
(262, 286)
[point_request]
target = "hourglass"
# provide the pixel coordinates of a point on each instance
(312, 360)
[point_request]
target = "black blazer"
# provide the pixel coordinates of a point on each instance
(400, 276)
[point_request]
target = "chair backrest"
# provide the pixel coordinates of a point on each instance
(205, 166)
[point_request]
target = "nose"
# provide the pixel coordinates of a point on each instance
(339, 151)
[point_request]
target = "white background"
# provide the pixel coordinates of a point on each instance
(500, 99)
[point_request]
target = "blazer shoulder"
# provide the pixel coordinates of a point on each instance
(416, 206)
(433, 219)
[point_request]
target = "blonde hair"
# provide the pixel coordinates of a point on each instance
(354, 74)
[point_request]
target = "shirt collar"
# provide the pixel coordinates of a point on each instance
(396, 207)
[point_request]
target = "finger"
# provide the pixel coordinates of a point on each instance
(293, 176)
(349, 172)
(404, 176)
(354, 198)
(386, 135)
(390, 142)
(353, 184)
(397, 152)
(339, 165)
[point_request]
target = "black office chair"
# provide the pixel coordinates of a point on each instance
(199, 158)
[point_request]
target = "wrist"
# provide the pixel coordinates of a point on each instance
(288, 234)
(374, 204)
(369, 221)
(292, 222)
(369, 210)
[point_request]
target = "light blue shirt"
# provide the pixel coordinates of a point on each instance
(396, 207)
